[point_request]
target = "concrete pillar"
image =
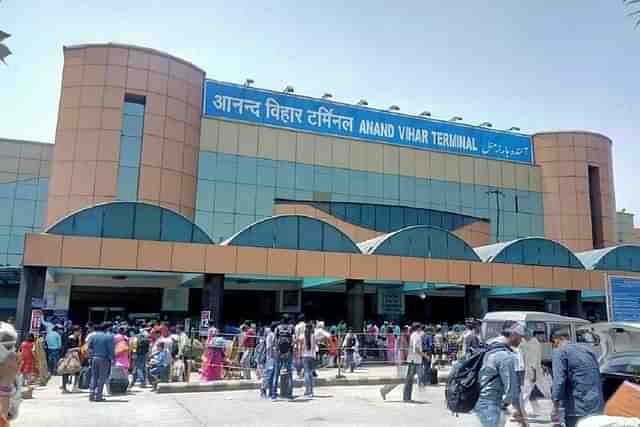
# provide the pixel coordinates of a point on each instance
(574, 303)
(473, 304)
(213, 298)
(32, 283)
(355, 304)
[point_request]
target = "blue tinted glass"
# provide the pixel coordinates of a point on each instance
(225, 197)
(368, 216)
(118, 221)
(455, 248)
(4, 243)
(358, 183)
(227, 169)
(264, 201)
(390, 187)
(130, 148)
(266, 172)
(43, 189)
(205, 195)
(223, 225)
(132, 108)
(423, 188)
(286, 175)
(467, 194)
(410, 217)
(242, 221)
(323, 179)
(438, 191)
(437, 244)
(261, 235)
(41, 209)
(383, 218)
(175, 228)
(199, 236)
(16, 243)
(407, 188)
(286, 232)
(7, 189)
(304, 177)
(127, 183)
(132, 125)
(375, 183)
(246, 199)
(27, 189)
(396, 218)
(147, 222)
(88, 222)
(452, 196)
(204, 219)
(247, 170)
(65, 227)
(341, 181)
(311, 235)
(24, 212)
(207, 165)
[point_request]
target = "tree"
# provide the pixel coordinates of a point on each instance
(634, 7)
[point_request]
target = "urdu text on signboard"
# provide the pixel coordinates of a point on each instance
(278, 109)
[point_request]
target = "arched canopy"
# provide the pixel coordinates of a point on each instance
(421, 241)
(293, 232)
(614, 258)
(130, 220)
(530, 251)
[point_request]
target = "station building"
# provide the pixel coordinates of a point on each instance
(167, 193)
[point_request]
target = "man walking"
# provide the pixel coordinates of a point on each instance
(498, 380)
(577, 385)
(54, 346)
(414, 362)
(140, 354)
(101, 354)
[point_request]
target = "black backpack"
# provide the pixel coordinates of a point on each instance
(284, 339)
(463, 386)
(143, 345)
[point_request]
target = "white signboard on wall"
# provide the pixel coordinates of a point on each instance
(56, 296)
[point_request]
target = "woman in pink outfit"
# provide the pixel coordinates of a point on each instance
(121, 350)
(391, 345)
(213, 357)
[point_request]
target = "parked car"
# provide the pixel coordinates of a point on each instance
(619, 353)
(540, 324)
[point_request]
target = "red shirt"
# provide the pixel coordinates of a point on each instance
(250, 338)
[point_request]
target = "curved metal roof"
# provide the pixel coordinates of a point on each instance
(130, 220)
(533, 252)
(621, 257)
(293, 232)
(424, 241)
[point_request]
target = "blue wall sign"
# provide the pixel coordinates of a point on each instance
(248, 104)
(623, 299)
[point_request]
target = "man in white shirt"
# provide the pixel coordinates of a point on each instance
(414, 361)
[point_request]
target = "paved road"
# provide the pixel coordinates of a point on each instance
(347, 406)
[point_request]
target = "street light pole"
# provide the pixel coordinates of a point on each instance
(498, 194)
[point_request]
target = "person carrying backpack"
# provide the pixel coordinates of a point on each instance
(283, 349)
(140, 353)
(486, 382)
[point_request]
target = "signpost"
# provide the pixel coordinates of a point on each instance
(36, 321)
(623, 299)
(205, 320)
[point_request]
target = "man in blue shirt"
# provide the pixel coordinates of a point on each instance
(159, 364)
(101, 354)
(54, 346)
(577, 385)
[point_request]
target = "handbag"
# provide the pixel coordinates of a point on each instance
(70, 364)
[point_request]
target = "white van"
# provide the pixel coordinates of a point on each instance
(540, 324)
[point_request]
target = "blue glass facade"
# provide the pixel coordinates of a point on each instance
(24, 184)
(130, 147)
(236, 190)
(531, 251)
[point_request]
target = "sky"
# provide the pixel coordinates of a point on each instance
(539, 65)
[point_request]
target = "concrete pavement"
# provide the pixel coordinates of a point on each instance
(345, 406)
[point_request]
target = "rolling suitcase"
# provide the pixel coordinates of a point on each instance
(118, 381)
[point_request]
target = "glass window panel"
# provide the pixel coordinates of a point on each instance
(437, 244)
(118, 221)
(147, 222)
(382, 218)
(507, 201)
(7, 189)
(200, 236)
(341, 181)
(396, 218)
(266, 172)
(175, 228)
(225, 197)
(408, 188)
(207, 165)
(24, 212)
(455, 248)
(437, 219)
(391, 186)
(223, 226)
(13, 259)
(127, 183)
(204, 219)
(354, 213)
(8, 149)
(467, 195)
(374, 184)
(43, 189)
(4, 244)
(264, 201)
(322, 179)
(304, 177)
(423, 188)
(339, 210)
(205, 195)
(247, 170)
(27, 189)
(285, 193)
(41, 209)
(16, 242)
(243, 221)
(452, 195)
(133, 108)
(286, 174)
(246, 199)
(438, 190)
(227, 167)
(130, 148)
(132, 125)
(368, 216)
(310, 235)
(88, 222)
(260, 235)
(286, 232)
